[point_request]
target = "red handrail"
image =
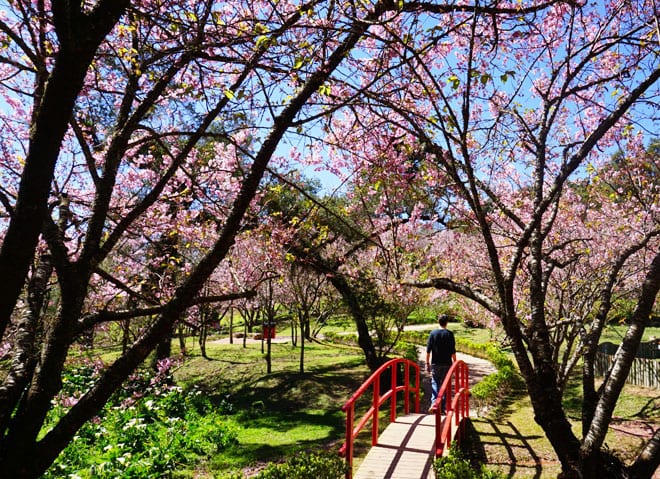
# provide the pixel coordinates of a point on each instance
(456, 386)
(377, 401)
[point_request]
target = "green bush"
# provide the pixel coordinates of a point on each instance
(494, 386)
(409, 351)
(456, 466)
(146, 435)
(307, 466)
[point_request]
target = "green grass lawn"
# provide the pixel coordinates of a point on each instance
(279, 414)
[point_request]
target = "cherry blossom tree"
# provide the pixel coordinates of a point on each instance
(311, 302)
(493, 114)
(329, 238)
(125, 122)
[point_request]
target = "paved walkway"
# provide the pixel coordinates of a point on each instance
(405, 447)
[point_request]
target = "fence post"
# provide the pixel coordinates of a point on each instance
(349, 441)
(374, 419)
(395, 370)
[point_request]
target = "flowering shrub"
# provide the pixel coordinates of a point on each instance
(150, 429)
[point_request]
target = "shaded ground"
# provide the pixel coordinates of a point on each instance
(520, 454)
(509, 440)
(503, 446)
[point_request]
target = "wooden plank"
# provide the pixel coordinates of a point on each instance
(404, 450)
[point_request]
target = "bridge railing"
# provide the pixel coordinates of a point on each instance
(457, 390)
(377, 400)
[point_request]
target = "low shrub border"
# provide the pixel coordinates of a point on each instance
(456, 466)
(313, 465)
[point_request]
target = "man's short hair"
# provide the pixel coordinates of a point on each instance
(443, 319)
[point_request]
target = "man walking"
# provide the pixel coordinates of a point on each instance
(440, 354)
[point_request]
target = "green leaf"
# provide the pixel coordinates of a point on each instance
(263, 41)
(325, 90)
(261, 28)
(455, 81)
(505, 76)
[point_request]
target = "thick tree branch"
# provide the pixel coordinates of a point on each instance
(442, 8)
(446, 284)
(123, 286)
(99, 317)
(596, 329)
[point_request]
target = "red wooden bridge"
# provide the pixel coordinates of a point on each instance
(411, 441)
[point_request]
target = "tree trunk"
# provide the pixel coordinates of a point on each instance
(125, 334)
(364, 338)
(307, 328)
(611, 388)
(163, 350)
(269, 366)
(182, 338)
(203, 333)
(231, 325)
(27, 330)
(648, 460)
(302, 354)
(245, 333)
(80, 35)
(550, 415)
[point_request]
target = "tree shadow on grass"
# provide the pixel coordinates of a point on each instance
(497, 442)
(322, 387)
(508, 449)
(283, 407)
(472, 446)
(507, 400)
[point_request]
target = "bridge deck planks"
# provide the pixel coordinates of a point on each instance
(404, 450)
